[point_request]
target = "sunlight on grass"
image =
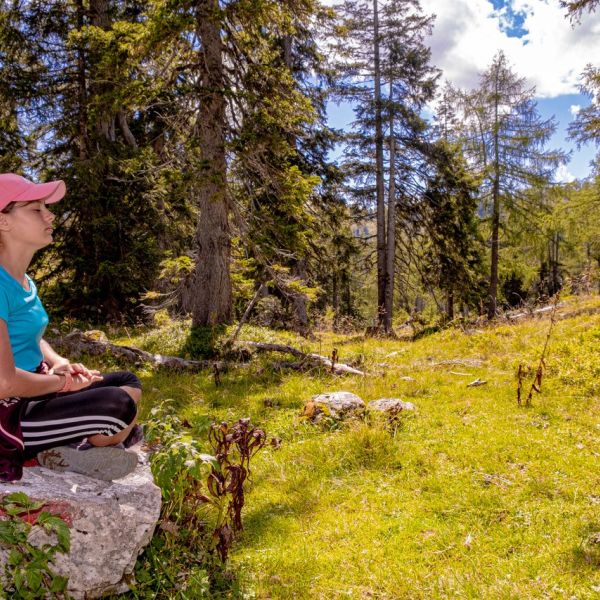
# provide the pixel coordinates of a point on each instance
(473, 497)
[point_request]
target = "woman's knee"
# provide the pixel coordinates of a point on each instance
(120, 404)
(135, 393)
(120, 379)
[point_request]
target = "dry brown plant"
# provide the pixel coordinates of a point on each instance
(524, 370)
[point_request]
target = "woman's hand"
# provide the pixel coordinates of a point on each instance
(81, 381)
(81, 376)
(75, 369)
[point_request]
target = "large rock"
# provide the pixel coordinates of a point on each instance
(338, 405)
(110, 522)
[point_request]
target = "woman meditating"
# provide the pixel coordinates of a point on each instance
(66, 415)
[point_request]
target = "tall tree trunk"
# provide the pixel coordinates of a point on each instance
(82, 114)
(450, 304)
(381, 241)
(554, 247)
(212, 302)
(335, 300)
(391, 233)
(299, 300)
(493, 291)
(100, 17)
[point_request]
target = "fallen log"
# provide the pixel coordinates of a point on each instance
(337, 368)
(95, 343)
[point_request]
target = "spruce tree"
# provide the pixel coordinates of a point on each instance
(385, 72)
(586, 126)
(84, 112)
(504, 137)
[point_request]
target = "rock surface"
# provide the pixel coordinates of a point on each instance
(110, 522)
(390, 405)
(339, 405)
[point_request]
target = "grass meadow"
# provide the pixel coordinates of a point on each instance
(471, 496)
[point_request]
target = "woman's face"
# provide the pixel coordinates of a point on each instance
(29, 224)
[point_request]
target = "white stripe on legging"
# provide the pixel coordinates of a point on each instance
(82, 428)
(29, 442)
(122, 424)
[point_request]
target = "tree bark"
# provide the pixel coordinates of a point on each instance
(337, 368)
(212, 282)
(129, 137)
(391, 232)
(450, 305)
(335, 298)
(381, 239)
(100, 17)
(82, 114)
(493, 291)
(299, 300)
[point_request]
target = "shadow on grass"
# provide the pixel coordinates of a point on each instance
(275, 518)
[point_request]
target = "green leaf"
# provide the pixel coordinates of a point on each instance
(17, 498)
(54, 524)
(211, 460)
(8, 535)
(58, 584)
(15, 557)
(34, 579)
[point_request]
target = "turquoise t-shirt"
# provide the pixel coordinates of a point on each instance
(26, 319)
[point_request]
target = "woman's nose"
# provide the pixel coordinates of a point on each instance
(49, 216)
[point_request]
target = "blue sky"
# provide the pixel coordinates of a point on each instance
(540, 43)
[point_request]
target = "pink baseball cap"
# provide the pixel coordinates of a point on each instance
(14, 188)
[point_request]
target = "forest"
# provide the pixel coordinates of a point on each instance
(428, 251)
(203, 178)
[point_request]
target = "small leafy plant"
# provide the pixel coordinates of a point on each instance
(203, 500)
(234, 447)
(27, 571)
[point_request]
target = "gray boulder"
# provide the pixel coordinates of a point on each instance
(391, 406)
(110, 521)
(338, 405)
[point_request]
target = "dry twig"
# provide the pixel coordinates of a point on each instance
(536, 385)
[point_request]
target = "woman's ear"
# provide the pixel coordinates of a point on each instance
(4, 225)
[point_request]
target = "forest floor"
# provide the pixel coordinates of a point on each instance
(470, 497)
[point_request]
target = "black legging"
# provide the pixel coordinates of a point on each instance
(59, 419)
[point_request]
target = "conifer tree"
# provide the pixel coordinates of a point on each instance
(586, 126)
(453, 247)
(84, 112)
(504, 137)
(385, 71)
(576, 8)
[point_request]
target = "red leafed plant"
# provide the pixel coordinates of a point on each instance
(233, 446)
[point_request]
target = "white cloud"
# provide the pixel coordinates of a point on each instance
(551, 55)
(563, 175)
(574, 109)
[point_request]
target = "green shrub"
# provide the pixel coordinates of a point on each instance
(27, 571)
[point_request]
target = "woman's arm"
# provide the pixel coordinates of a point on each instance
(16, 382)
(60, 364)
(51, 356)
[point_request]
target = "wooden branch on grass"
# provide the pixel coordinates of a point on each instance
(337, 368)
(78, 342)
(95, 343)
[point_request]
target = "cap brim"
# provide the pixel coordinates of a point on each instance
(49, 192)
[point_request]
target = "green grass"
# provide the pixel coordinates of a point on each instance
(473, 497)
